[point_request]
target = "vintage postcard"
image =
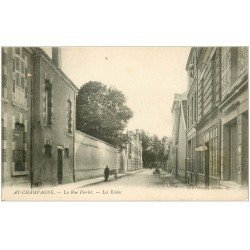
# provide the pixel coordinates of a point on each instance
(124, 123)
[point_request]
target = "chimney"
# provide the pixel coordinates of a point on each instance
(56, 56)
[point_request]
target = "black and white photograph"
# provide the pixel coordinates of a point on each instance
(125, 123)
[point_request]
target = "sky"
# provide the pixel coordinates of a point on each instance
(148, 76)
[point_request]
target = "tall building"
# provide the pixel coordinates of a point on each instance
(38, 118)
(217, 143)
(17, 66)
(233, 111)
(191, 161)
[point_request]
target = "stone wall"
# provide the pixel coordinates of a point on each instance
(92, 155)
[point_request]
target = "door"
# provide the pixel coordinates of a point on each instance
(245, 149)
(207, 165)
(233, 153)
(59, 166)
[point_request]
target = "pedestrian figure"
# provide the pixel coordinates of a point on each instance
(106, 173)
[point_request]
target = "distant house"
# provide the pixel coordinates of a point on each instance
(134, 152)
(179, 113)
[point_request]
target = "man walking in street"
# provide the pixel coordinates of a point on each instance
(106, 173)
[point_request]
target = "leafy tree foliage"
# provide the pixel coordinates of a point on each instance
(153, 150)
(102, 112)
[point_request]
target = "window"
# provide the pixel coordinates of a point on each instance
(195, 103)
(20, 148)
(242, 59)
(69, 116)
(192, 110)
(48, 103)
(66, 152)
(48, 151)
(4, 86)
(201, 156)
(213, 72)
(20, 77)
(4, 74)
(3, 139)
(202, 97)
(212, 138)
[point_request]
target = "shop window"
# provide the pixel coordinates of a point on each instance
(211, 138)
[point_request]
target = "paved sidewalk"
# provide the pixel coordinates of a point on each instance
(170, 180)
(92, 181)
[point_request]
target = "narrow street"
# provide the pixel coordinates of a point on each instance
(143, 179)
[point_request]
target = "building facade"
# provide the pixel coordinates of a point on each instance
(38, 118)
(233, 110)
(53, 119)
(134, 152)
(218, 116)
(179, 113)
(17, 63)
(191, 159)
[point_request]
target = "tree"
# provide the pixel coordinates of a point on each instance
(152, 149)
(102, 112)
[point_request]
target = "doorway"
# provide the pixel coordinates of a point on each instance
(207, 165)
(59, 166)
(233, 152)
